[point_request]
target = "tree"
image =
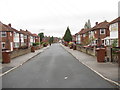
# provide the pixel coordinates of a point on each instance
(51, 39)
(67, 36)
(41, 35)
(87, 25)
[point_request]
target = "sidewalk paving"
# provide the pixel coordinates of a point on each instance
(107, 70)
(18, 61)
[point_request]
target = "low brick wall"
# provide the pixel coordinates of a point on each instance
(17, 53)
(37, 47)
(90, 51)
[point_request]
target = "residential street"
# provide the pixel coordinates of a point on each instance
(54, 68)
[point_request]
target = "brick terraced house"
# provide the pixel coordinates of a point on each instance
(14, 39)
(99, 32)
(113, 27)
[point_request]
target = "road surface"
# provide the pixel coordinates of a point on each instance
(54, 68)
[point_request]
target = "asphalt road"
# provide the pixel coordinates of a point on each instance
(54, 68)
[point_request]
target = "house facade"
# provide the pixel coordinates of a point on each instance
(12, 39)
(74, 38)
(84, 35)
(36, 38)
(99, 32)
(113, 27)
(7, 37)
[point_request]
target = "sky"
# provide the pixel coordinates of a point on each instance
(53, 16)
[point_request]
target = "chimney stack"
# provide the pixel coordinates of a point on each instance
(9, 24)
(96, 23)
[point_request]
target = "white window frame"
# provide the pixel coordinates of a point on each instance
(101, 31)
(2, 45)
(3, 33)
(10, 33)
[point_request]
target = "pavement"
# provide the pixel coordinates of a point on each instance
(107, 70)
(19, 61)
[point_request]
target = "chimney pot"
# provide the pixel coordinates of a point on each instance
(9, 24)
(96, 23)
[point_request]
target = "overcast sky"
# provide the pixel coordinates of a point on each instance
(53, 16)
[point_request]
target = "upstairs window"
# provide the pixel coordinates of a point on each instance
(4, 34)
(10, 33)
(102, 31)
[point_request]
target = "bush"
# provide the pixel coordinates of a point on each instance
(114, 44)
(45, 44)
(35, 44)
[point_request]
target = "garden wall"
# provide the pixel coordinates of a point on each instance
(20, 52)
(90, 51)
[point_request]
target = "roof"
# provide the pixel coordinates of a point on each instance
(23, 32)
(115, 20)
(28, 32)
(35, 35)
(104, 25)
(13, 29)
(6, 28)
(83, 31)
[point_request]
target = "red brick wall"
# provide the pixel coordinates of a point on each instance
(8, 39)
(102, 36)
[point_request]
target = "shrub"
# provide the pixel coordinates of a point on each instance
(34, 44)
(114, 44)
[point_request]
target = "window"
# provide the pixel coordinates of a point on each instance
(95, 32)
(3, 34)
(3, 45)
(10, 33)
(25, 37)
(16, 45)
(102, 31)
(84, 35)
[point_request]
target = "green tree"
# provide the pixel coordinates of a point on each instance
(67, 36)
(87, 24)
(114, 44)
(41, 35)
